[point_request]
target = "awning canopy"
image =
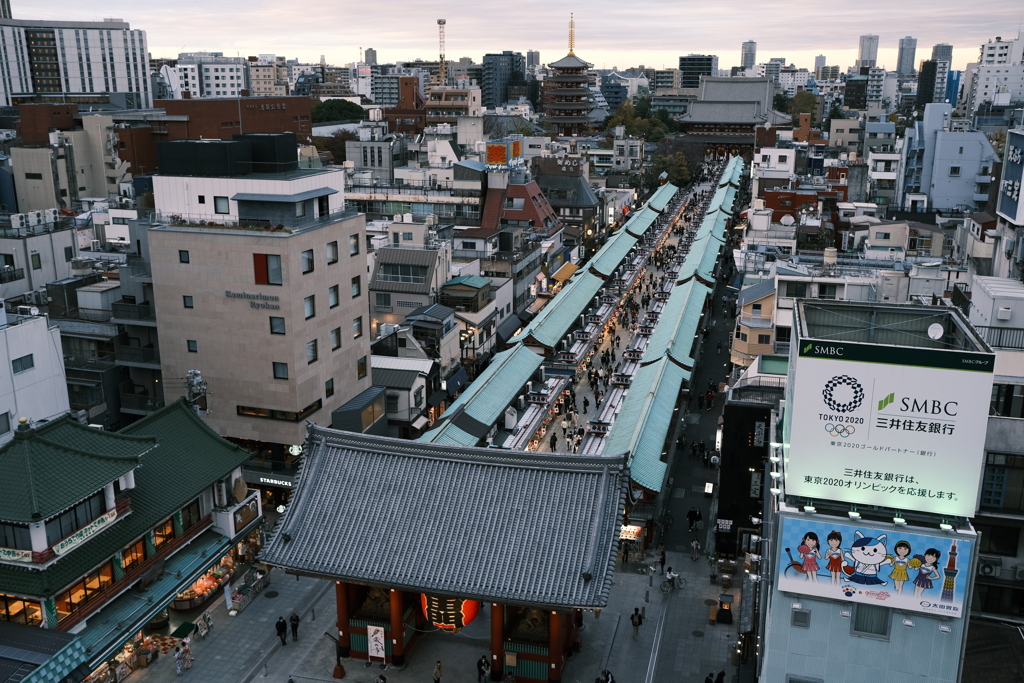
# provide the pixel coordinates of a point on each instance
(508, 328)
(456, 381)
(283, 198)
(565, 272)
(436, 398)
(419, 423)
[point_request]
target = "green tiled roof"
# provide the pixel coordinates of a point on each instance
(662, 196)
(62, 463)
(190, 457)
(612, 254)
(561, 313)
(678, 324)
(640, 222)
(474, 281)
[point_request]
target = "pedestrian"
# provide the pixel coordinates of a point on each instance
(694, 549)
(661, 561)
(700, 402)
(719, 346)
(565, 426)
(282, 630)
(437, 672)
(606, 677)
(554, 441)
(177, 660)
(698, 520)
(294, 621)
(186, 652)
(637, 621)
(720, 678)
(691, 517)
(710, 678)
(483, 667)
(586, 404)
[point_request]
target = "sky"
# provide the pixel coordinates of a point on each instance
(621, 34)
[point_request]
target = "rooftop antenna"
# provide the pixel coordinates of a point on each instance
(442, 69)
(572, 34)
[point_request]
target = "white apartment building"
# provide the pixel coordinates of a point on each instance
(793, 80)
(59, 61)
(217, 75)
(188, 78)
(997, 77)
(33, 384)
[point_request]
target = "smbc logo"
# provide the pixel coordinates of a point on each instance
(886, 401)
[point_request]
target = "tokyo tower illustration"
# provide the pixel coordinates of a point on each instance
(949, 574)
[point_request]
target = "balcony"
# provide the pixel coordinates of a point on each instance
(136, 356)
(1002, 337)
(758, 322)
(140, 404)
(140, 268)
(133, 314)
(9, 274)
(782, 348)
(232, 519)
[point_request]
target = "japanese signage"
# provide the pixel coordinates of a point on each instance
(1009, 206)
(375, 641)
(447, 613)
(893, 426)
(888, 567)
(12, 555)
(85, 532)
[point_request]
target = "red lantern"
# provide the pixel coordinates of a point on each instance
(449, 614)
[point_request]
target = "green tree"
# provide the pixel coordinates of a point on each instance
(782, 102)
(338, 110)
(676, 167)
(643, 108)
(802, 103)
(335, 144)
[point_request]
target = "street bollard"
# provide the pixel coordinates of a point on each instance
(314, 614)
(265, 674)
(647, 596)
(650, 579)
(643, 612)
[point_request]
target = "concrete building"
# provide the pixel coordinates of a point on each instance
(943, 52)
(793, 80)
(447, 104)
(406, 277)
(748, 54)
(370, 56)
(692, 67)
(74, 61)
(268, 76)
(274, 255)
(905, 58)
(532, 59)
(931, 83)
(1009, 235)
(500, 70)
(867, 52)
(409, 381)
(942, 168)
(35, 249)
(34, 385)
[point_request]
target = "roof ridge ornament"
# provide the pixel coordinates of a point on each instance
(572, 34)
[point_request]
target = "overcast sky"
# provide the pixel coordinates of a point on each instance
(622, 34)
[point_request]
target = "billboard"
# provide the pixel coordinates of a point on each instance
(883, 425)
(895, 568)
(1008, 204)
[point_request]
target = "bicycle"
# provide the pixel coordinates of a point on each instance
(668, 584)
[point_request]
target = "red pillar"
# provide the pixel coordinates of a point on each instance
(397, 629)
(497, 641)
(555, 647)
(344, 639)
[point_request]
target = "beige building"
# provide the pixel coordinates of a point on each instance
(265, 79)
(447, 104)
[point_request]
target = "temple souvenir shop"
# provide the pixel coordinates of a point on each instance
(211, 584)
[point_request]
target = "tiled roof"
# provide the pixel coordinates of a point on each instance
(411, 257)
(514, 527)
(394, 379)
(724, 112)
(474, 281)
(570, 61)
(62, 463)
(612, 254)
(561, 313)
(494, 202)
(755, 292)
(662, 196)
(678, 325)
(190, 457)
(640, 222)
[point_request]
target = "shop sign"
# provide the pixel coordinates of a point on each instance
(270, 481)
(246, 513)
(86, 532)
(759, 433)
(630, 532)
(375, 641)
(449, 614)
(12, 555)
(897, 427)
(1009, 205)
(755, 484)
(891, 567)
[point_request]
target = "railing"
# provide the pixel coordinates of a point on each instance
(94, 315)
(11, 275)
(1002, 337)
(439, 189)
(74, 405)
(127, 311)
(139, 266)
(123, 506)
(763, 323)
(97, 364)
(224, 222)
(382, 309)
(472, 253)
(99, 598)
(782, 348)
(141, 402)
(135, 354)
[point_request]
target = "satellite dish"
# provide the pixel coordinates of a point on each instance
(935, 331)
(787, 220)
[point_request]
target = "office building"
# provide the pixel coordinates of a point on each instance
(500, 70)
(218, 76)
(942, 52)
(867, 54)
(819, 62)
(931, 83)
(532, 58)
(370, 56)
(905, 59)
(692, 67)
(748, 55)
(72, 61)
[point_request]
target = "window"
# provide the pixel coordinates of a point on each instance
(743, 336)
(383, 300)
(187, 302)
(332, 252)
(163, 532)
(394, 272)
(755, 310)
(280, 371)
(392, 404)
(332, 296)
(276, 325)
(69, 253)
(311, 353)
(357, 327)
(133, 555)
(469, 245)
(962, 149)
(801, 618)
(267, 269)
(871, 621)
(407, 237)
(15, 536)
(22, 364)
(70, 521)
(418, 397)
(782, 158)
(826, 291)
(221, 205)
(309, 306)
(883, 235)
(283, 415)
(336, 338)
(20, 611)
(84, 591)
(329, 387)
(353, 245)
(33, 176)
(190, 515)
(796, 289)
(193, 346)
(356, 287)
(37, 262)
(307, 261)
(183, 256)
(954, 171)
(202, 199)
(802, 679)
(300, 209)
(764, 339)
(998, 540)
(361, 367)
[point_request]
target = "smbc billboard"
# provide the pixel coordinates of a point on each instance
(892, 426)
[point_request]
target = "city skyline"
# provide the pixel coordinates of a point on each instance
(264, 27)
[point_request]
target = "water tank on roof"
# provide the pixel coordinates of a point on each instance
(831, 255)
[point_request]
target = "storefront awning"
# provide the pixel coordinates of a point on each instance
(540, 277)
(565, 272)
(508, 328)
(436, 398)
(419, 423)
(457, 381)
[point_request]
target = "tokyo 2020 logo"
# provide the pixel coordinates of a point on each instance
(840, 430)
(854, 388)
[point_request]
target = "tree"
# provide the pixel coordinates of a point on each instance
(802, 103)
(643, 108)
(676, 167)
(337, 110)
(335, 144)
(782, 102)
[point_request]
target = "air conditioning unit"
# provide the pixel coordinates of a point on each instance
(96, 245)
(19, 220)
(989, 566)
(35, 217)
(50, 215)
(1019, 574)
(1008, 245)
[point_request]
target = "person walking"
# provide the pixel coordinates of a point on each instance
(282, 630)
(586, 404)
(637, 621)
(294, 621)
(178, 660)
(437, 672)
(694, 549)
(691, 517)
(554, 441)
(698, 521)
(710, 678)
(565, 426)
(483, 667)
(661, 561)
(720, 678)
(186, 653)
(719, 347)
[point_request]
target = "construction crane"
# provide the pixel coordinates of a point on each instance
(442, 68)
